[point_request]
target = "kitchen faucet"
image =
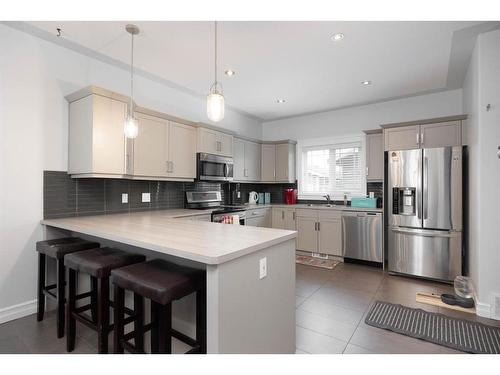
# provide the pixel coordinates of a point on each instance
(327, 197)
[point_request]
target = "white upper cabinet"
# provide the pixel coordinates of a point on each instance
(239, 159)
(214, 142)
(268, 162)
(164, 149)
(150, 147)
(97, 144)
(402, 138)
(253, 155)
(285, 162)
(182, 150)
(440, 132)
(278, 162)
(374, 157)
(247, 156)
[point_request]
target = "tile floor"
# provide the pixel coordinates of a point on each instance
(331, 308)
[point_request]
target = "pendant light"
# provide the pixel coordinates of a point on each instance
(215, 99)
(131, 127)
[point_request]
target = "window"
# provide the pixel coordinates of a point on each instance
(331, 167)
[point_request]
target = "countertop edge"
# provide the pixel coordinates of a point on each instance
(170, 251)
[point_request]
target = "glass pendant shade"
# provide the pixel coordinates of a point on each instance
(131, 128)
(215, 106)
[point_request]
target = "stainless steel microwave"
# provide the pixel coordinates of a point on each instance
(214, 167)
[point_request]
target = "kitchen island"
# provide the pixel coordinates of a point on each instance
(246, 313)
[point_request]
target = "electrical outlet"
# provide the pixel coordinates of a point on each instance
(262, 268)
(124, 198)
(146, 197)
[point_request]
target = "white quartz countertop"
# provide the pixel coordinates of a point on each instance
(162, 231)
(316, 207)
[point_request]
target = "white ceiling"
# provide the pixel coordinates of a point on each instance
(295, 61)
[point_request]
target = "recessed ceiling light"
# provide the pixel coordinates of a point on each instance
(281, 101)
(366, 83)
(337, 37)
(230, 72)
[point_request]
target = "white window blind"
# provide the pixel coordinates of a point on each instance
(333, 169)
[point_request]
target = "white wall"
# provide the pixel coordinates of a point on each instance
(482, 88)
(356, 119)
(35, 75)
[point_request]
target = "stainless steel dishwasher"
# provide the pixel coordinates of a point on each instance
(362, 235)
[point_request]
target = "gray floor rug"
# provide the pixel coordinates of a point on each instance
(459, 334)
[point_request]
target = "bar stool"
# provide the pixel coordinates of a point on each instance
(162, 282)
(57, 249)
(98, 263)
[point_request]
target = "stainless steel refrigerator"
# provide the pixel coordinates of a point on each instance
(424, 189)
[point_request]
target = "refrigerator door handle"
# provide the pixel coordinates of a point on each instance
(425, 233)
(426, 188)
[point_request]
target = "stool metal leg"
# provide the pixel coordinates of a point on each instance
(165, 328)
(119, 328)
(41, 285)
(61, 288)
(103, 315)
(70, 308)
(93, 298)
(139, 322)
(154, 328)
(201, 319)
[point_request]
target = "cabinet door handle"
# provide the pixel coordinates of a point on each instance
(418, 138)
(319, 226)
(316, 226)
(282, 215)
(422, 138)
(293, 215)
(367, 171)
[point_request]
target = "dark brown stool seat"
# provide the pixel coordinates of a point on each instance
(98, 263)
(162, 282)
(57, 249)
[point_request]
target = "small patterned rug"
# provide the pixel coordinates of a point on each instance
(465, 335)
(316, 262)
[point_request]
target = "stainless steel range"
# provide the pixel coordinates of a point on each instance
(213, 200)
(425, 212)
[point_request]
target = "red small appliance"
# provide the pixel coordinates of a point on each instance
(291, 196)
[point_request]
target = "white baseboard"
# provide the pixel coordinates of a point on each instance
(483, 310)
(18, 311)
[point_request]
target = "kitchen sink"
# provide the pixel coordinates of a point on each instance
(322, 205)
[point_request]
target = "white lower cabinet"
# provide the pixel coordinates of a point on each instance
(258, 217)
(284, 218)
(319, 231)
(330, 232)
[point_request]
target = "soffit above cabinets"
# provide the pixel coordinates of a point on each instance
(294, 61)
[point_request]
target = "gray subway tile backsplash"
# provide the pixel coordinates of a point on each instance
(64, 196)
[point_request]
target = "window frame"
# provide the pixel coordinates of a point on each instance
(330, 141)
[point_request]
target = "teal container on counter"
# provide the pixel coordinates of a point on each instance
(261, 199)
(267, 198)
(364, 202)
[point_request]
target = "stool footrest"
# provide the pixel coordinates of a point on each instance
(131, 348)
(83, 308)
(49, 294)
(83, 295)
(184, 338)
